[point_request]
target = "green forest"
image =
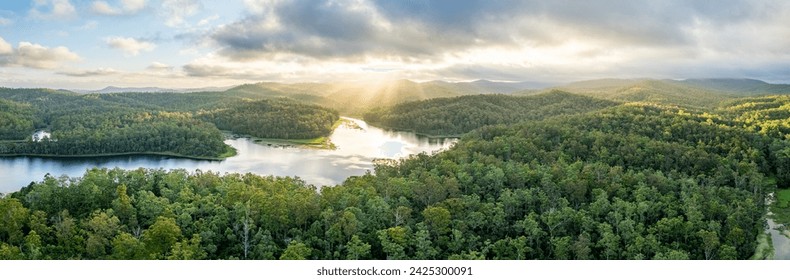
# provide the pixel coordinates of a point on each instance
(458, 115)
(606, 181)
(176, 124)
(278, 118)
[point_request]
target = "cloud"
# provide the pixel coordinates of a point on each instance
(52, 9)
(90, 25)
(212, 70)
(90, 73)
(101, 7)
(5, 21)
(130, 46)
(34, 55)
(438, 31)
(203, 70)
(347, 28)
(5, 47)
(208, 20)
(175, 12)
(125, 7)
(159, 67)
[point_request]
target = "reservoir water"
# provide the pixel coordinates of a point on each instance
(356, 149)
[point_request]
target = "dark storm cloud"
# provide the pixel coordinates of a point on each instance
(560, 39)
(420, 28)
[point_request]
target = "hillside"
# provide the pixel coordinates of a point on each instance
(691, 92)
(352, 98)
(177, 124)
(740, 87)
(277, 118)
(458, 115)
(631, 181)
(653, 91)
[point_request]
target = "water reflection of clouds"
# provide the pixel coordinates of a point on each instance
(355, 153)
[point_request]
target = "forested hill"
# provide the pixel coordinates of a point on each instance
(16, 120)
(279, 118)
(633, 181)
(653, 91)
(354, 98)
(179, 124)
(767, 114)
(455, 116)
(740, 87)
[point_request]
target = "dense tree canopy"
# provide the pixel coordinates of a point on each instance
(181, 124)
(278, 118)
(458, 115)
(635, 181)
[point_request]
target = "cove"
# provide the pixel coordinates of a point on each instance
(357, 146)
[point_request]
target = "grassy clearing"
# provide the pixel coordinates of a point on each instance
(229, 152)
(781, 207)
(765, 248)
(322, 142)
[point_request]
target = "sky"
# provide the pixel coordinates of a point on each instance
(89, 44)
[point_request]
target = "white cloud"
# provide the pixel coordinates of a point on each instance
(34, 55)
(176, 11)
(52, 9)
(130, 46)
(90, 73)
(160, 67)
(509, 39)
(133, 6)
(125, 7)
(91, 25)
(5, 21)
(208, 20)
(5, 47)
(101, 7)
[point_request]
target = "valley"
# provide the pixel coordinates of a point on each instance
(604, 169)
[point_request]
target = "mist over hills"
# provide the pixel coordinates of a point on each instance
(690, 92)
(354, 98)
(114, 89)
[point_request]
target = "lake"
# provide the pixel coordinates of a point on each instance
(356, 149)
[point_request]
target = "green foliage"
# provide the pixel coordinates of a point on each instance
(148, 123)
(278, 118)
(296, 251)
(635, 181)
(16, 120)
(667, 92)
(458, 115)
(160, 238)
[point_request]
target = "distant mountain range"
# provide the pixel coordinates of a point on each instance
(112, 89)
(695, 92)
(356, 97)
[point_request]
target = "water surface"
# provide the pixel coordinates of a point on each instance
(356, 148)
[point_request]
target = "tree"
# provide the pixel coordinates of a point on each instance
(423, 247)
(13, 216)
(127, 247)
(296, 251)
(710, 243)
(394, 241)
(160, 237)
(357, 249)
(187, 249)
(437, 220)
(102, 228)
(122, 206)
(33, 245)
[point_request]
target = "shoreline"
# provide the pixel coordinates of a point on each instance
(229, 153)
(322, 142)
